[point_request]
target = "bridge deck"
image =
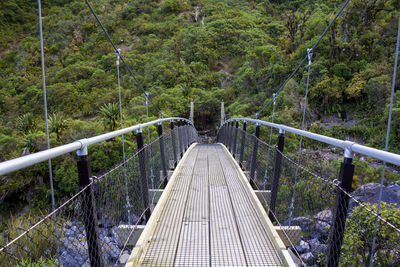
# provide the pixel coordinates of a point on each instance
(208, 218)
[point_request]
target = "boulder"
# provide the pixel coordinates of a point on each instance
(308, 258)
(324, 216)
(304, 223)
(295, 259)
(124, 258)
(304, 247)
(370, 193)
(110, 251)
(322, 228)
(317, 247)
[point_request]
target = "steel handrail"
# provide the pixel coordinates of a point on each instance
(82, 144)
(348, 146)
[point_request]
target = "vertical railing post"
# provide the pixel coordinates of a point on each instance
(191, 111)
(243, 143)
(162, 153)
(230, 136)
(222, 112)
(254, 155)
(185, 135)
(143, 176)
(173, 141)
(236, 129)
(277, 173)
(221, 134)
(340, 210)
(223, 137)
(226, 138)
(180, 140)
(89, 209)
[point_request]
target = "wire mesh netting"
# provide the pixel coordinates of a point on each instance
(310, 208)
(96, 225)
(359, 245)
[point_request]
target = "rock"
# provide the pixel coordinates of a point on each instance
(70, 258)
(110, 251)
(308, 258)
(75, 245)
(370, 193)
(114, 234)
(304, 247)
(317, 247)
(322, 228)
(105, 222)
(68, 224)
(395, 187)
(304, 223)
(324, 216)
(72, 231)
(124, 258)
(296, 260)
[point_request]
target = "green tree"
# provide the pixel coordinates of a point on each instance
(26, 123)
(357, 242)
(57, 124)
(110, 115)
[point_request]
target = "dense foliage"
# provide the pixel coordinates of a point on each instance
(206, 50)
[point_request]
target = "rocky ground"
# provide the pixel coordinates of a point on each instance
(73, 250)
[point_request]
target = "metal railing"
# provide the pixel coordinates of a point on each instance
(323, 206)
(95, 225)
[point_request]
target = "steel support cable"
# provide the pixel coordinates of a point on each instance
(269, 144)
(284, 84)
(304, 59)
(116, 51)
(291, 207)
(128, 204)
(53, 204)
(386, 144)
(148, 134)
(129, 235)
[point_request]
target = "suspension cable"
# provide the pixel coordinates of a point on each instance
(128, 205)
(386, 145)
(291, 207)
(148, 135)
(304, 59)
(53, 205)
(269, 144)
(116, 51)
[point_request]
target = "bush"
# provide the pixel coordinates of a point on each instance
(359, 232)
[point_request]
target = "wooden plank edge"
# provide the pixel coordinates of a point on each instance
(144, 241)
(268, 226)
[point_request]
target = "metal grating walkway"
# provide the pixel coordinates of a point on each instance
(209, 218)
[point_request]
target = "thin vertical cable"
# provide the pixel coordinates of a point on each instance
(128, 205)
(386, 145)
(291, 208)
(53, 204)
(148, 134)
(269, 143)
